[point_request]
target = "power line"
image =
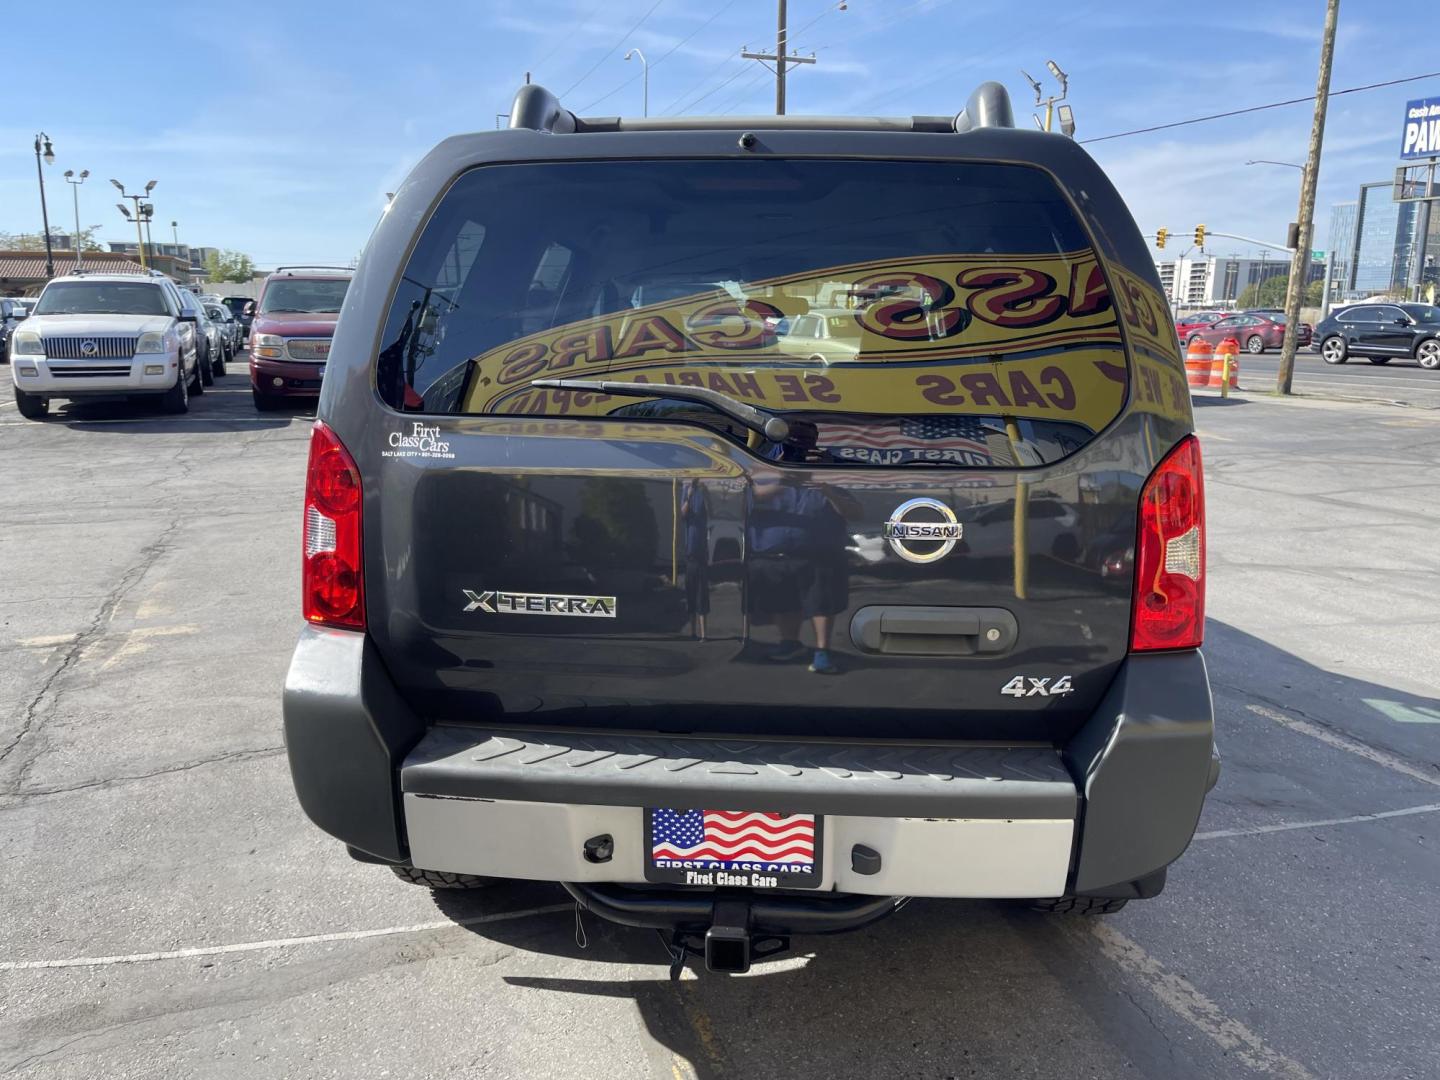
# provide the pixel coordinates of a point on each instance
(727, 82)
(561, 40)
(745, 89)
(1261, 108)
(835, 6)
(610, 51)
(683, 41)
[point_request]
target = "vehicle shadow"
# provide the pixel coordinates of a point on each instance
(942, 988)
(222, 407)
(1205, 402)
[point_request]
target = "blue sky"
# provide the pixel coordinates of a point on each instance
(275, 128)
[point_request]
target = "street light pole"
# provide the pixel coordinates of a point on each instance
(49, 157)
(139, 215)
(1300, 257)
(644, 80)
(75, 190)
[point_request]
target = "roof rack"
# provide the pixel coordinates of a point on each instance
(537, 109)
(289, 269)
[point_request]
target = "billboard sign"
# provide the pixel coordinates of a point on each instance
(1422, 129)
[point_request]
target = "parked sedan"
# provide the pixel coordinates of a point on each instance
(1381, 332)
(1253, 331)
(243, 308)
(229, 326)
(1195, 320)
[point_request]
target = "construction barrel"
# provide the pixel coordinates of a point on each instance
(1199, 358)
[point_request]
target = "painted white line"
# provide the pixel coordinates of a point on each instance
(279, 943)
(1349, 745)
(66, 422)
(1258, 830)
(1190, 1005)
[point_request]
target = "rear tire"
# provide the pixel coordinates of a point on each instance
(207, 372)
(1428, 354)
(31, 406)
(439, 879)
(218, 371)
(1255, 345)
(1334, 350)
(1081, 905)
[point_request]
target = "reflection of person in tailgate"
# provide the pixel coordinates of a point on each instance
(796, 542)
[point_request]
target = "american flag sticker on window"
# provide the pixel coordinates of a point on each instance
(750, 849)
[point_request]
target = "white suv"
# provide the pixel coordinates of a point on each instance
(106, 336)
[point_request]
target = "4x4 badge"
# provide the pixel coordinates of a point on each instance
(901, 531)
(496, 602)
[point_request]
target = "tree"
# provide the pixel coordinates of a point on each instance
(1268, 293)
(229, 266)
(36, 241)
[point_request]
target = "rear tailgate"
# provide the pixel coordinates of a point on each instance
(947, 537)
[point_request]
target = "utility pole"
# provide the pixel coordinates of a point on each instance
(780, 58)
(49, 156)
(1300, 257)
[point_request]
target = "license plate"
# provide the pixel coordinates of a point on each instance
(756, 850)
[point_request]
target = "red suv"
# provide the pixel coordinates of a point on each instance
(294, 320)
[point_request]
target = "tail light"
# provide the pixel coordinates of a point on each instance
(1169, 605)
(333, 585)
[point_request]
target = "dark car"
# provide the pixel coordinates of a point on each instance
(522, 656)
(1253, 331)
(1381, 332)
(290, 333)
(230, 330)
(243, 308)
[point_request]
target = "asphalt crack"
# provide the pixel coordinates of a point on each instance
(21, 795)
(45, 700)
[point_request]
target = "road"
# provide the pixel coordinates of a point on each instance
(170, 912)
(1402, 381)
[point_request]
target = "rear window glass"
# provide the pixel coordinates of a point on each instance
(895, 313)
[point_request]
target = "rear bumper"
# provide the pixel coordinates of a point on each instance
(1114, 807)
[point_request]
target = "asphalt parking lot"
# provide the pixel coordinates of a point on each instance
(169, 911)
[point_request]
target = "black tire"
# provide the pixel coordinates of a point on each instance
(1334, 350)
(263, 402)
(439, 879)
(177, 399)
(1379, 359)
(218, 369)
(1255, 345)
(1081, 905)
(31, 406)
(1428, 354)
(207, 372)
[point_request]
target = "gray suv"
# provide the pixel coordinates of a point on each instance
(606, 583)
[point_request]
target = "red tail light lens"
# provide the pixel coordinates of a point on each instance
(1169, 606)
(333, 585)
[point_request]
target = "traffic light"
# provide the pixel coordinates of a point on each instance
(1161, 235)
(1200, 236)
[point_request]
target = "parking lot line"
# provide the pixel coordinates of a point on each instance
(1355, 819)
(1189, 1004)
(279, 943)
(1350, 746)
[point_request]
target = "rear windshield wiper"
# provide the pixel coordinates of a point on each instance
(768, 424)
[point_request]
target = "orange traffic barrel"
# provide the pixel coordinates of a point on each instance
(1199, 358)
(1228, 351)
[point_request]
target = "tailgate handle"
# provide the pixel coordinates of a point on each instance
(906, 630)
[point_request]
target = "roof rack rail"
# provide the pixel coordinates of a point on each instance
(537, 109)
(287, 269)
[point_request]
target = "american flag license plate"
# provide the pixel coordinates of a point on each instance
(749, 849)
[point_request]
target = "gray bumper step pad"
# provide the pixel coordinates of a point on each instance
(863, 779)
